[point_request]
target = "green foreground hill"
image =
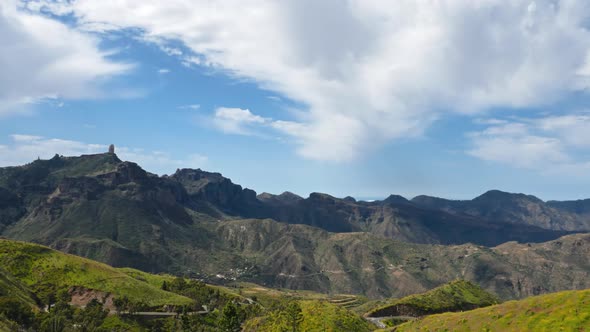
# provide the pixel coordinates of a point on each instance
(563, 311)
(31, 274)
(32, 268)
(315, 315)
(458, 295)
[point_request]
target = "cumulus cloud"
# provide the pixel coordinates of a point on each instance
(23, 149)
(371, 71)
(236, 120)
(515, 148)
(552, 144)
(574, 129)
(43, 58)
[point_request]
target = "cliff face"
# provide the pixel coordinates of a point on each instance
(218, 193)
(394, 217)
(498, 206)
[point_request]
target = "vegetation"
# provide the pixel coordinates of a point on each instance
(47, 271)
(61, 317)
(394, 321)
(268, 297)
(308, 315)
(563, 311)
(11, 287)
(14, 310)
(156, 280)
(455, 296)
(36, 277)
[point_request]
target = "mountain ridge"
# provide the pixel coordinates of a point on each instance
(496, 205)
(202, 224)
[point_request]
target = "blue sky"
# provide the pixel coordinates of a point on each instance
(360, 98)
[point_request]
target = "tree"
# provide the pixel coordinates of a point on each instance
(63, 296)
(92, 316)
(177, 285)
(16, 311)
(293, 315)
(121, 304)
(45, 293)
(53, 323)
(136, 306)
(230, 318)
(62, 305)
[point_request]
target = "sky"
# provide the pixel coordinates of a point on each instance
(365, 98)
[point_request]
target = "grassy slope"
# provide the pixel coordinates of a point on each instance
(322, 315)
(563, 311)
(155, 280)
(34, 265)
(268, 296)
(12, 287)
(317, 316)
(454, 296)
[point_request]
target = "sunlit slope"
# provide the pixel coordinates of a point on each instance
(39, 267)
(455, 296)
(563, 311)
(316, 315)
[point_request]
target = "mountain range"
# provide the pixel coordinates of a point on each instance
(201, 224)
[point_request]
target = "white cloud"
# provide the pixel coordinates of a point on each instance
(163, 71)
(236, 120)
(25, 148)
(43, 58)
(553, 144)
(171, 51)
(191, 106)
(371, 71)
(574, 129)
(274, 98)
(25, 138)
(518, 150)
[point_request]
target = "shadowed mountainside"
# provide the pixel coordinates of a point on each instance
(498, 206)
(102, 188)
(113, 211)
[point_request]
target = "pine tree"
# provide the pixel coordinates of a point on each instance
(293, 315)
(230, 318)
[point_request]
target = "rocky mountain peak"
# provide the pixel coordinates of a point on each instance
(197, 174)
(286, 198)
(321, 197)
(396, 199)
(502, 196)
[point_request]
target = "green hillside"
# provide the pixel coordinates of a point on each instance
(13, 288)
(315, 315)
(41, 268)
(455, 296)
(563, 311)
